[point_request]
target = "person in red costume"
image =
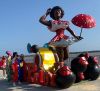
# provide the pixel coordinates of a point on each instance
(58, 26)
(3, 66)
(15, 68)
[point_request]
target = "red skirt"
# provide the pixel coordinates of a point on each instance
(59, 37)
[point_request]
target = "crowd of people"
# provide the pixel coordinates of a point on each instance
(13, 67)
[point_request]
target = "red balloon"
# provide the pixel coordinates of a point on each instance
(84, 21)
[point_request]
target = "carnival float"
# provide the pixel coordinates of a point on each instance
(49, 67)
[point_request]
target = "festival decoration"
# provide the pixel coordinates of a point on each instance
(84, 21)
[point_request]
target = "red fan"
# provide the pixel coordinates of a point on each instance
(84, 21)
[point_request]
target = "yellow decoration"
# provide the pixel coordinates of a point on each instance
(21, 64)
(48, 59)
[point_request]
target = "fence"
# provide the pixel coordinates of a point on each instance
(30, 58)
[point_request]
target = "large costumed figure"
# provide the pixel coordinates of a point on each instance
(58, 26)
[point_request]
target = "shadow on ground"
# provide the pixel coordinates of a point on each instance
(82, 86)
(5, 86)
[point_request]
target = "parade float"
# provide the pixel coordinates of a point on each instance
(46, 70)
(49, 69)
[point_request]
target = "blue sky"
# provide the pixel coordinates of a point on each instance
(19, 23)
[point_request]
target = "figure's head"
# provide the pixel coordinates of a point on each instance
(3, 58)
(56, 13)
(15, 54)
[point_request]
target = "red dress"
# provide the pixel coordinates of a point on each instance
(58, 27)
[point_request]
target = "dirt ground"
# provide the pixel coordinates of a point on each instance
(82, 86)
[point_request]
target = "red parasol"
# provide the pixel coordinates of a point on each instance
(84, 21)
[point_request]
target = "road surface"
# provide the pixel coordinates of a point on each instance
(82, 86)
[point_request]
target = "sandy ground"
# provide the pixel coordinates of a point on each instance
(82, 86)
